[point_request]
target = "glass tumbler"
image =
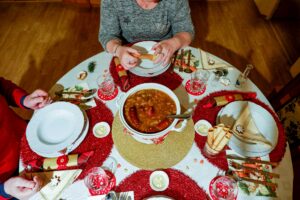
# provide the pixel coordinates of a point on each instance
(199, 80)
(225, 188)
(96, 179)
(106, 85)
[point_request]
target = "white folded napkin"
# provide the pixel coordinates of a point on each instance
(54, 182)
(245, 128)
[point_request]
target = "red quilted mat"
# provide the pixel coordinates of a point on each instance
(180, 186)
(210, 114)
(101, 146)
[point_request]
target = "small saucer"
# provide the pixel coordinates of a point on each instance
(101, 129)
(159, 181)
(202, 126)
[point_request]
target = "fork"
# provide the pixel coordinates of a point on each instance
(123, 195)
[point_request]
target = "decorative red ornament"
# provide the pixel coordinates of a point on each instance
(62, 162)
(230, 98)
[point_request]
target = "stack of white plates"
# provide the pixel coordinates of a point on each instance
(262, 119)
(147, 68)
(56, 127)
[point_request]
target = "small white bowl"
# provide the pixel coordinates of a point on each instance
(159, 180)
(101, 129)
(202, 126)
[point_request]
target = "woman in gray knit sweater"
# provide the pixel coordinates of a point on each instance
(128, 21)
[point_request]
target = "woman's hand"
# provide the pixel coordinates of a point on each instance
(22, 188)
(164, 51)
(37, 99)
(128, 57)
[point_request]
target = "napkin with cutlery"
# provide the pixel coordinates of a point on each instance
(54, 182)
(246, 130)
(79, 94)
(254, 178)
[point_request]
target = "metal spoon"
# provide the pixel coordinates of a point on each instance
(180, 116)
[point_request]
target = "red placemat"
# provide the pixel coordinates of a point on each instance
(169, 78)
(180, 186)
(210, 114)
(101, 146)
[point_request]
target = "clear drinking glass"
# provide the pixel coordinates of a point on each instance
(106, 85)
(199, 80)
(96, 179)
(224, 188)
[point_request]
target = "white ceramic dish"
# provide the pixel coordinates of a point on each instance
(264, 122)
(202, 126)
(147, 68)
(54, 127)
(72, 146)
(159, 180)
(101, 129)
(150, 138)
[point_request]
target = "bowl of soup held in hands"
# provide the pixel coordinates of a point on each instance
(144, 110)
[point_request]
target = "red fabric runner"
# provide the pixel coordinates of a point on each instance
(169, 78)
(180, 186)
(210, 114)
(101, 146)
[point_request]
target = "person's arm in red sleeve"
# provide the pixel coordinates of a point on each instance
(16, 96)
(13, 94)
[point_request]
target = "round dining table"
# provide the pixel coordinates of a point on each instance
(194, 164)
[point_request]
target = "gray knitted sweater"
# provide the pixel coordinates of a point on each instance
(127, 21)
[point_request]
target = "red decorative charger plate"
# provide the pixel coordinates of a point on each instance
(210, 114)
(169, 78)
(101, 146)
(180, 186)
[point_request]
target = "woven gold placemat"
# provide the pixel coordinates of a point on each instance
(153, 156)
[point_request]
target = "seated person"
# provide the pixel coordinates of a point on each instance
(129, 21)
(12, 127)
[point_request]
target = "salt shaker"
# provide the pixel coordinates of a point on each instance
(241, 80)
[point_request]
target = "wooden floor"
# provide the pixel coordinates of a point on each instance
(40, 42)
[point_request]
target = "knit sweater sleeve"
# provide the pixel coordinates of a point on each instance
(12, 93)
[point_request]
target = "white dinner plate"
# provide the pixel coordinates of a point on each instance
(264, 122)
(54, 127)
(147, 68)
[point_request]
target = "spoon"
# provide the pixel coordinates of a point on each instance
(180, 116)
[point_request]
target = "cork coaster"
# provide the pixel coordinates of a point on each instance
(153, 156)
